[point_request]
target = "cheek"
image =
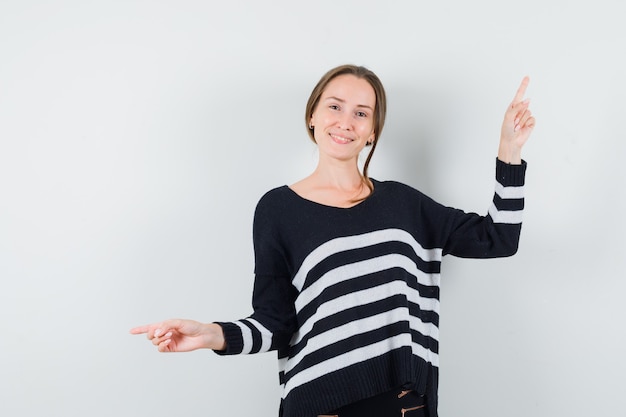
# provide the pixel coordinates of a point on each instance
(316, 120)
(367, 129)
(323, 118)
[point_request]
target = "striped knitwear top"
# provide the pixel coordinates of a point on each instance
(349, 297)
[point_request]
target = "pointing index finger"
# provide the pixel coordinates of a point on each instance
(519, 96)
(140, 330)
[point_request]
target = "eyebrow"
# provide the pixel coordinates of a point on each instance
(343, 101)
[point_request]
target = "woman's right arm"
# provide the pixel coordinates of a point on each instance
(178, 335)
(270, 327)
(273, 321)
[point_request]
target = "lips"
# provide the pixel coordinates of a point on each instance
(340, 139)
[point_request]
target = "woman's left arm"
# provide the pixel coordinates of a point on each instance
(517, 126)
(497, 234)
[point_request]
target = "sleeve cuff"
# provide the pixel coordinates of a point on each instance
(510, 175)
(233, 338)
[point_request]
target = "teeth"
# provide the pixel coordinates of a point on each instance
(341, 139)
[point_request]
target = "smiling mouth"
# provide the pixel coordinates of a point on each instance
(341, 139)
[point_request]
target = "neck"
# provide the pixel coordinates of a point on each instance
(334, 184)
(341, 175)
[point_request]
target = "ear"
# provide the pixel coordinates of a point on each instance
(371, 139)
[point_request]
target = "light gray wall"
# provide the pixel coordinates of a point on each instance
(137, 136)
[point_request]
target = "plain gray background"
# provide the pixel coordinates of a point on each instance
(137, 136)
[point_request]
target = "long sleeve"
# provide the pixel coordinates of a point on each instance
(496, 234)
(272, 323)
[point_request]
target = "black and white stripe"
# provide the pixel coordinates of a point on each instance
(508, 204)
(307, 341)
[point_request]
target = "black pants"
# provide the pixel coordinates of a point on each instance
(396, 403)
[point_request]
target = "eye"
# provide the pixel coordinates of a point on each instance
(361, 114)
(333, 107)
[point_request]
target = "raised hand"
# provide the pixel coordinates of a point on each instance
(517, 126)
(183, 335)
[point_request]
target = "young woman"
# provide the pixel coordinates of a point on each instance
(347, 268)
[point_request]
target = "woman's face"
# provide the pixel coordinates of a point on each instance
(343, 120)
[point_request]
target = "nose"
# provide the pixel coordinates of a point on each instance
(345, 121)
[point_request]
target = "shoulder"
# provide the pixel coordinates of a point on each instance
(396, 194)
(274, 198)
(269, 211)
(395, 188)
(275, 193)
